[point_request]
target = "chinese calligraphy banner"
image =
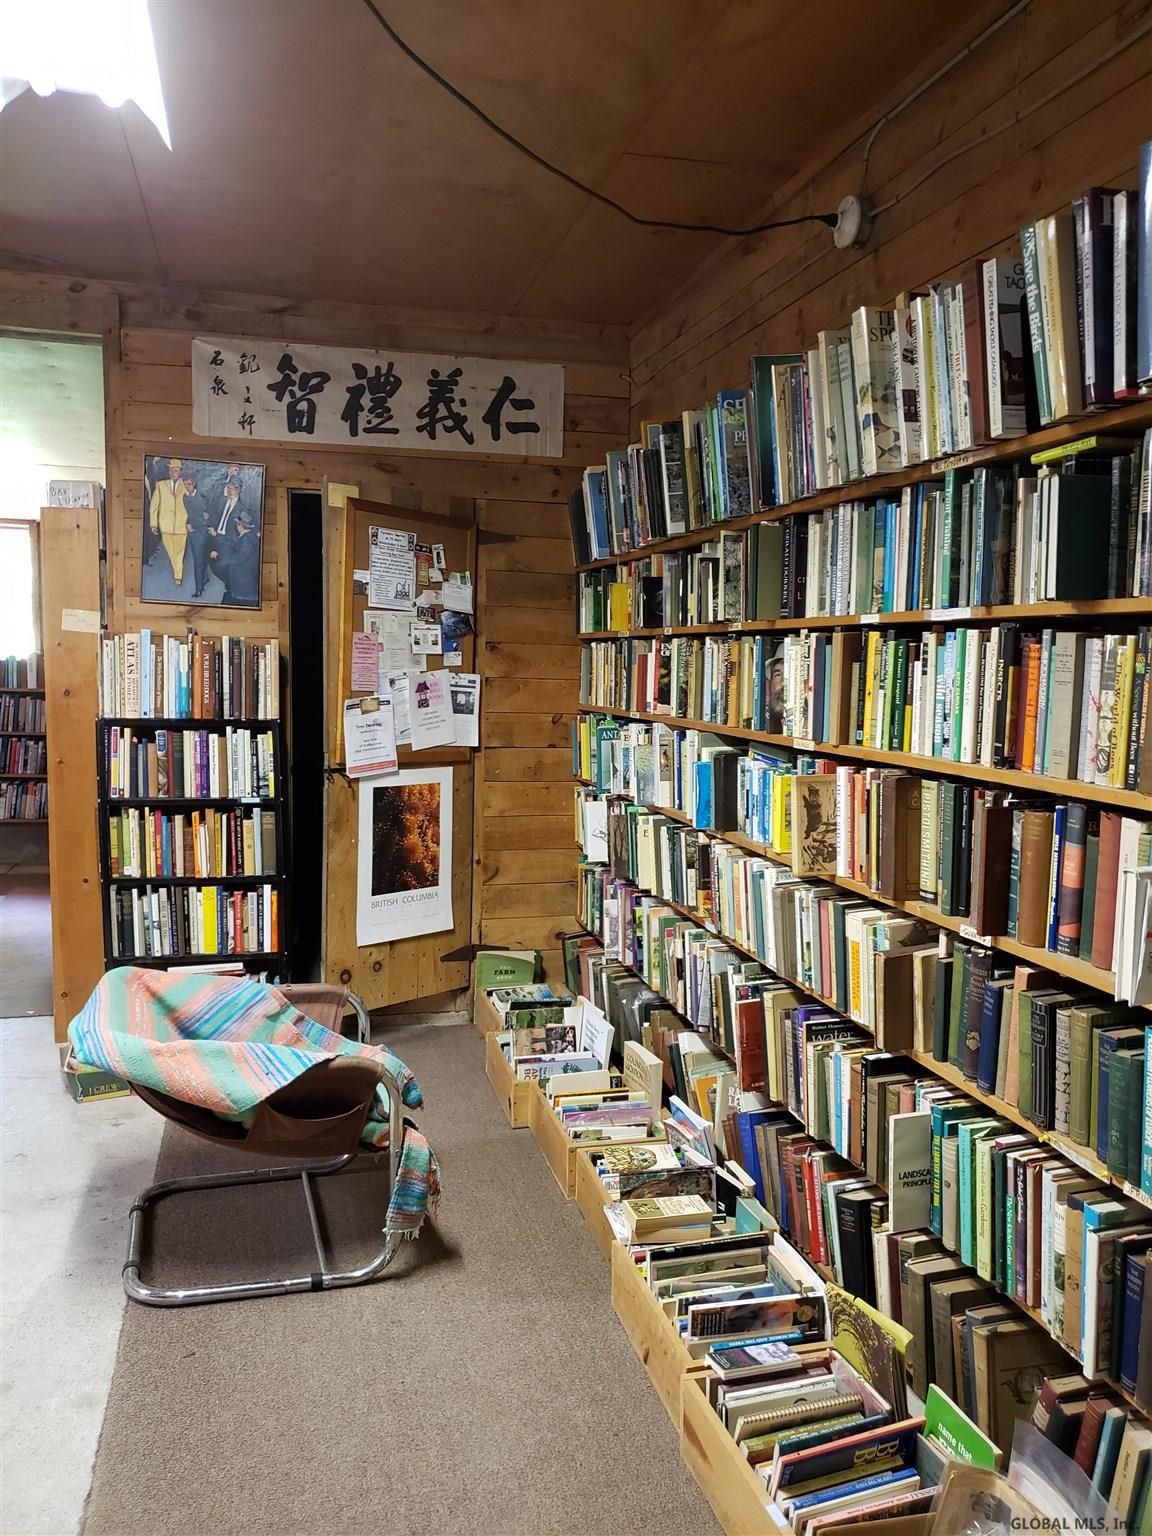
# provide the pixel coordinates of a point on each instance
(278, 391)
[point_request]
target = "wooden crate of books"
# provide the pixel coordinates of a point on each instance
(654, 1338)
(512, 1093)
(559, 1150)
(738, 1497)
(591, 1198)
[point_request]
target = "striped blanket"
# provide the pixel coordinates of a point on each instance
(226, 1043)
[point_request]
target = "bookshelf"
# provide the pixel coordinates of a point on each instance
(23, 744)
(1134, 416)
(973, 549)
(179, 868)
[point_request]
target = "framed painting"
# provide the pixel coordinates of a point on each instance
(203, 538)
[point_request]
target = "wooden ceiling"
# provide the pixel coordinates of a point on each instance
(312, 159)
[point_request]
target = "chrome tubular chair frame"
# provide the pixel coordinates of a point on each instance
(321, 1279)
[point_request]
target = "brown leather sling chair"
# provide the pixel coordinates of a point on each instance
(315, 1120)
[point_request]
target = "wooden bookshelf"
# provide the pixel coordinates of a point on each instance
(1064, 965)
(1099, 608)
(110, 806)
(940, 767)
(1081, 1156)
(25, 778)
(1133, 417)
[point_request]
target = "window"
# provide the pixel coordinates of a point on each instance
(19, 584)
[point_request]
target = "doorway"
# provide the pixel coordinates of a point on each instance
(51, 451)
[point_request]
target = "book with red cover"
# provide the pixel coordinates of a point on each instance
(1107, 876)
(1088, 1440)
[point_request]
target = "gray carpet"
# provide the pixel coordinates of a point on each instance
(484, 1385)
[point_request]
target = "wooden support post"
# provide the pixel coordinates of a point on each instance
(70, 588)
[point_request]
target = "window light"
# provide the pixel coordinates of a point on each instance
(95, 47)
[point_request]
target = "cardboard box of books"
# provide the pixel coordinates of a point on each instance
(87, 1083)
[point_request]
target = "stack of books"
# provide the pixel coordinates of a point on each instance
(197, 844)
(1059, 702)
(1104, 1437)
(1010, 345)
(150, 923)
(541, 1032)
(229, 762)
(197, 677)
(976, 536)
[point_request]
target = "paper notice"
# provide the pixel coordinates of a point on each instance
(365, 663)
(391, 629)
(464, 689)
(430, 713)
(399, 686)
(391, 568)
(456, 593)
(426, 640)
(369, 737)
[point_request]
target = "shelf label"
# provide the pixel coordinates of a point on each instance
(946, 615)
(1137, 1194)
(871, 618)
(1080, 1156)
(968, 932)
(802, 744)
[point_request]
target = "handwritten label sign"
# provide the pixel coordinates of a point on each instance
(283, 391)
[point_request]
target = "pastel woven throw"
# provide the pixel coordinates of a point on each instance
(226, 1043)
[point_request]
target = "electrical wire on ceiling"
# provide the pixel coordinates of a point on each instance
(573, 181)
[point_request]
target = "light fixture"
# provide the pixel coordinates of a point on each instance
(93, 47)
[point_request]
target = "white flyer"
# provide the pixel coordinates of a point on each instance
(430, 712)
(464, 688)
(391, 629)
(426, 640)
(456, 593)
(399, 687)
(391, 568)
(369, 737)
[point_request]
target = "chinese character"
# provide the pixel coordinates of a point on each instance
(506, 395)
(248, 363)
(379, 387)
(442, 409)
(247, 422)
(298, 390)
(218, 386)
(217, 359)
(247, 395)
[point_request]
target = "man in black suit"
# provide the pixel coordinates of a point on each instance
(197, 506)
(236, 560)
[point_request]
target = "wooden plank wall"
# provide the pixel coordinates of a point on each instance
(521, 809)
(1043, 123)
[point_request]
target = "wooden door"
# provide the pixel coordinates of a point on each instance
(403, 970)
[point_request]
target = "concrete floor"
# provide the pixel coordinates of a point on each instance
(69, 1173)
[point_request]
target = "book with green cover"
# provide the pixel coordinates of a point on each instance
(504, 968)
(955, 1433)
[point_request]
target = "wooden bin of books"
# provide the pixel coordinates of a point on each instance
(591, 1198)
(738, 1497)
(654, 1338)
(559, 1150)
(512, 1093)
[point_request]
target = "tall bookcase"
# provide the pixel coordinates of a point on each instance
(23, 754)
(837, 748)
(208, 852)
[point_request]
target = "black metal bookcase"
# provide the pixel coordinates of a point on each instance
(274, 962)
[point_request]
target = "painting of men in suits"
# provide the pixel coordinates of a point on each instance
(203, 532)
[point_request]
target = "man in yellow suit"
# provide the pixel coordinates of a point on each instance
(168, 518)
